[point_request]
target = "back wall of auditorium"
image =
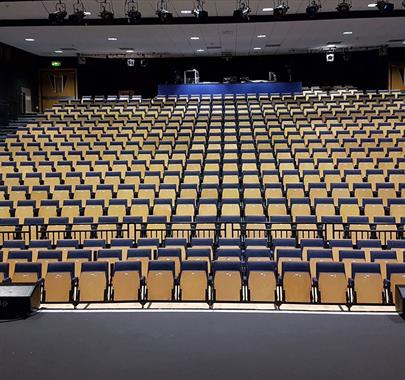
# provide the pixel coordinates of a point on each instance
(365, 70)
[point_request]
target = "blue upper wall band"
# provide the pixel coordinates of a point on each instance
(230, 88)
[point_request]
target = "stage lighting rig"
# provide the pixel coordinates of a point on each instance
(313, 8)
(58, 17)
(243, 11)
(344, 6)
(385, 7)
(132, 11)
(78, 14)
(162, 12)
(280, 8)
(106, 11)
(199, 12)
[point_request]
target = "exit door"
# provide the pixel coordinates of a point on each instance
(56, 85)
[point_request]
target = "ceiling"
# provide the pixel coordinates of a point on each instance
(40, 9)
(286, 37)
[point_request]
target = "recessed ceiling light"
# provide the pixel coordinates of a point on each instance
(87, 13)
(129, 51)
(257, 48)
(330, 46)
(261, 36)
(58, 51)
(194, 38)
(372, 5)
(112, 38)
(403, 42)
(30, 39)
(200, 50)
(185, 12)
(347, 33)
(267, 9)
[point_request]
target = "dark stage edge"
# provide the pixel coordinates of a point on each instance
(207, 345)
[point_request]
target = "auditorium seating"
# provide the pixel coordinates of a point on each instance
(222, 198)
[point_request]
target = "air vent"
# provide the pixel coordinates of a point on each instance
(68, 49)
(226, 54)
(227, 32)
(334, 43)
(213, 47)
(272, 45)
(395, 41)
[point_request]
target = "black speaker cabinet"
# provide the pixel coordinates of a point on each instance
(19, 299)
(399, 298)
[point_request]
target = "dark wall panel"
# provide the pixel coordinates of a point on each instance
(365, 70)
(17, 69)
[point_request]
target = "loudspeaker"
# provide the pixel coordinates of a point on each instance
(399, 298)
(19, 299)
(330, 57)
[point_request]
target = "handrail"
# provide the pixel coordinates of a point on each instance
(188, 230)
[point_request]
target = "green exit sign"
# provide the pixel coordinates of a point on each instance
(56, 63)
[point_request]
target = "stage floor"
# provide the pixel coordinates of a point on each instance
(219, 344)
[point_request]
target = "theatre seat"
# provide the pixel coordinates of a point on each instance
(59, 282)
(93, 282)
(395, 276)
(160, 281)
(262, 281)
(332, 283)
(194, 281)
(4, 272)
(297, 286)
(368, 285)
(227, 281)
(26, 273)
(126, 281)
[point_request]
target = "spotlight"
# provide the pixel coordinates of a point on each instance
(344, 6)
(106, 11)
(78, 14)
(385, 7)
(383, 51)
(280, 9)
(131, 10)
(313, 8)
(199, 11)
(330, 57)
(77, 17)
(164, 15)
(243, 11)
(58, 17)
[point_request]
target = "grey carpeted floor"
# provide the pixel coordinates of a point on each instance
(202, 346)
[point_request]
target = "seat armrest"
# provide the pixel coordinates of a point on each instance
(244, 279)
